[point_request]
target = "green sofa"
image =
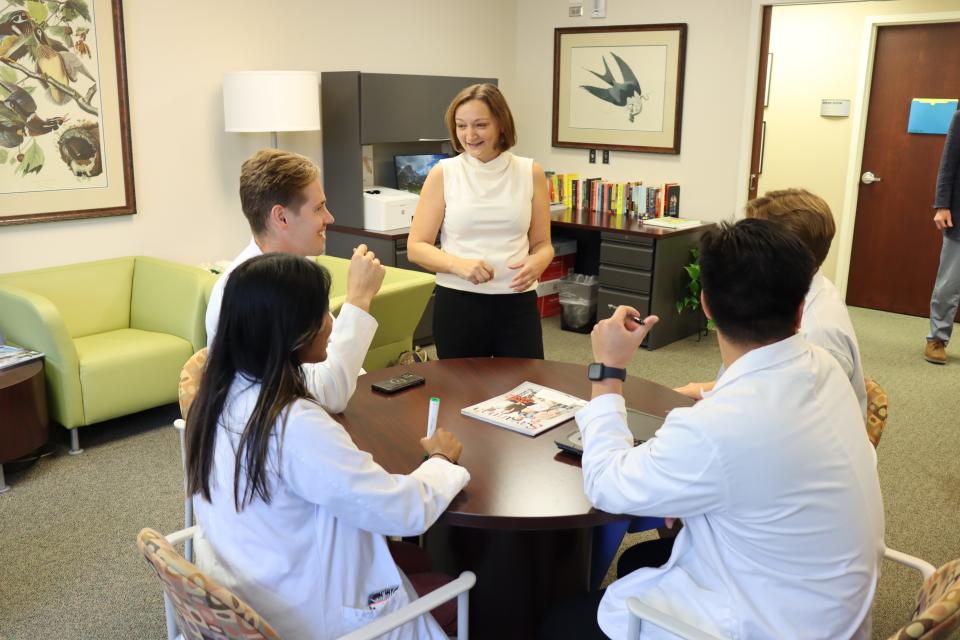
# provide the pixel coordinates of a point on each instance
(115, 332)
(397, 307)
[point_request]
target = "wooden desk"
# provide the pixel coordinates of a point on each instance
(523, 523)
(23, 408)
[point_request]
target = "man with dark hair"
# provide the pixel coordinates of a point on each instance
(770, 472)
(286, 208)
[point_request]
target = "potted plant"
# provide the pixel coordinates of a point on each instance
(692, 301)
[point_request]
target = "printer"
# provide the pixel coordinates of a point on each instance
(385, 208)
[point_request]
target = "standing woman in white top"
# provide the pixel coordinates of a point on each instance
(493, 214)
(293, 514)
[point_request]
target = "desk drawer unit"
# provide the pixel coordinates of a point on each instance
(647, 273)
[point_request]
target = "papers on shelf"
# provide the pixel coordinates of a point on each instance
(672, 223)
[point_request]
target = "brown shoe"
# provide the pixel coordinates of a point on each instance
(935, 352)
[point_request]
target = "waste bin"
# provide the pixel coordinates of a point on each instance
(578, 302)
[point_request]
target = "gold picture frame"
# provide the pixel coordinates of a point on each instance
(65, 148)
(619, 87)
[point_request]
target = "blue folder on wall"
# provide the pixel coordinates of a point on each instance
(931, 115)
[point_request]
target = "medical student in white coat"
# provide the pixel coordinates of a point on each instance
(293, 514)
(826, 321)
(286, 208)
(776, 485)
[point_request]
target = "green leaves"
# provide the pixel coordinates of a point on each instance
(37, 11)
(32, 159)
(71, 9)
(62, 34)
(8, 75)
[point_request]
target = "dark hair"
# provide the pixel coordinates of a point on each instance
(270, 177)
(754, 274)
(802, 213)
(272, 305)
(491, 96)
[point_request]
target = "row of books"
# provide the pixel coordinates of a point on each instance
(621, 198)
(11, 356)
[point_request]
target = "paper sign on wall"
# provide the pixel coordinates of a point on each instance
(931, 115)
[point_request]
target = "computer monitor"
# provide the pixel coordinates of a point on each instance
(413, 170)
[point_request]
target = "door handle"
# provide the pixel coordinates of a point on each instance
(753, 182)
(869, 178)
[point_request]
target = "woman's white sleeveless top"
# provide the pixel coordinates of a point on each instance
(487, 216)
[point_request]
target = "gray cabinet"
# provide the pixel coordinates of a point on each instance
(647, 273)
(396, 114)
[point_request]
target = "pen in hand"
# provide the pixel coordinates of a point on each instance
(432, 416)
(636, 319)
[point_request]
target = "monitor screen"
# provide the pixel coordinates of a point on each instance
(413, 170)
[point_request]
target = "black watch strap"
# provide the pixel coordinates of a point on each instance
(597, 371)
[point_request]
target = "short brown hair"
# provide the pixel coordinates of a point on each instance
(490, 95)
(802, 213)
(271, 177)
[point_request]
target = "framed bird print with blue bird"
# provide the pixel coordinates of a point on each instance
(64, 117)
(619, 87)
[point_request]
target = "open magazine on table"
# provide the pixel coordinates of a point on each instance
(11, 356)
(529, 409)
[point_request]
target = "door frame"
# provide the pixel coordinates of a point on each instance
(861, 98)
(861, 106)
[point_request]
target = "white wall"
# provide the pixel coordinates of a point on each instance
(186, 167)
(713, 102)
(817, 54)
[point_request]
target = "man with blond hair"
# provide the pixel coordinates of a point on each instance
(825, 321)
(286, 208)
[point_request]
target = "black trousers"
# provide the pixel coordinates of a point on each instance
(477, 325)
(576, 617)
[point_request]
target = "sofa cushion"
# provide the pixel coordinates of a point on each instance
(128, 370)
(92, 297)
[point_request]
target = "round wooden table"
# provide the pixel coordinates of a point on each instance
(523, 523)
(23, 406)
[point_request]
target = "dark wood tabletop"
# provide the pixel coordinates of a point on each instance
(517, 482)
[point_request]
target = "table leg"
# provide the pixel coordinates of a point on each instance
(519, 573)
(3, 485)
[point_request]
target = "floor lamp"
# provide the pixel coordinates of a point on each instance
(271, 101)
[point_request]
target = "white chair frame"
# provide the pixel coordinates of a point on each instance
(459, 589)
(642, 611)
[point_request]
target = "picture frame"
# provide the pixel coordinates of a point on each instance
(766, 85)
(619, 87)
(65, 150)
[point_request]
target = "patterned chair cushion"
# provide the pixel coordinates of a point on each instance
(877, 405)
(190, 380)
(938, 606)
(204, 609)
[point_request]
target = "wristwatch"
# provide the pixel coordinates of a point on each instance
(599, 371)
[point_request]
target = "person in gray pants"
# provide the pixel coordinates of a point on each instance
(946, 290)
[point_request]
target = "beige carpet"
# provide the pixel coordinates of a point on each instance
(69, 567)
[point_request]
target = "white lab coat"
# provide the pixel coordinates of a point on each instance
(778, 491)
(312, 559)
(826, 323)
(333, 381)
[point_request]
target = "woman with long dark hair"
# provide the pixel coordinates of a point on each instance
(293, 514)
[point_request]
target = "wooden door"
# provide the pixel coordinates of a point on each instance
(896, 248)
(759, 105)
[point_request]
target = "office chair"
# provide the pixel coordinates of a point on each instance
(198, 608)
(187, 390)
(936, 615)
(877, 407)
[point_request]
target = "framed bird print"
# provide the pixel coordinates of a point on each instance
(619, 87)
(64, 117)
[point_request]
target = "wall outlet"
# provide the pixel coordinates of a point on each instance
(593, 156)
(606, 156)
(576, 10)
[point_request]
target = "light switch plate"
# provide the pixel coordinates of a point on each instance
(599, 9)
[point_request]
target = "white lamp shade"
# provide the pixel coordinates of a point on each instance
(271, 101)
